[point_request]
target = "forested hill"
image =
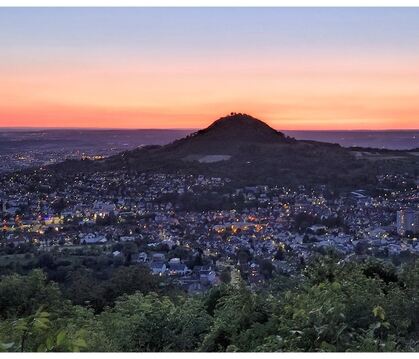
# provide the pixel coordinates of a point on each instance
(250, 152)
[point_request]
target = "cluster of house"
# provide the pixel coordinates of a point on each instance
(194, 280)
(117, 206)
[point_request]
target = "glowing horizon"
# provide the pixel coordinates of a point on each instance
(296, 69)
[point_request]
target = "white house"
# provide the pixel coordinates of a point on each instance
(92, 238)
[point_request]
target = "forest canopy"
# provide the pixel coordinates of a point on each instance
(333, 306)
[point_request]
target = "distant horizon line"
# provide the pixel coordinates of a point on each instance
(23, 128)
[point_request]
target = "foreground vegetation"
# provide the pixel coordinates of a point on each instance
(333, 306)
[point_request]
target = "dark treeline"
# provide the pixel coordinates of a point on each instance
(332, 306)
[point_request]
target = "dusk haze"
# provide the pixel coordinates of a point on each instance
(298, 69)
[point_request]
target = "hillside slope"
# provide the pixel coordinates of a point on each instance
(249, 151)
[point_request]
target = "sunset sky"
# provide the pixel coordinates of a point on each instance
(183, 68)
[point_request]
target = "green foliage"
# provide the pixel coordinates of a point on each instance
(152, 323)
(62, 341)
(35, 333)
(334, 306)
(22, 295)
(137, 323)
(237, 313)
(87, 289)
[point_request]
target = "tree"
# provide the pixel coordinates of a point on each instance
(21, 295)
(129, 249)
(332, 306)
(138, 323)
(237, 311)
(34, 333)
(225, 275)
(266, 268)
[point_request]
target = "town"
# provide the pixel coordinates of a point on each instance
(195, 232)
